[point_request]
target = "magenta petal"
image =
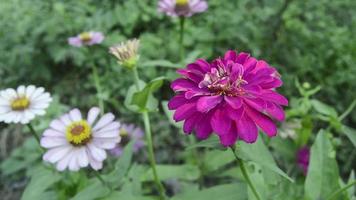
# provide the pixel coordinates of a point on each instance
(190, 123)
(230, 138)
(250, 64)
(247, 129)
(203, 64)
(220, 122)
(265, 123)
(256, 103)
(203, 127)
(275, 111)
(230, 55)
(182, 84)
(206, 103)
(234, 102)
(176, 101)
(184, 111)
(275, 97)
(242, 57)
(234, 114)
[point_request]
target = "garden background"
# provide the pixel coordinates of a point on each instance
(312, 43)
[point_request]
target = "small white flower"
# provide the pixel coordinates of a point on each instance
(23, 104)
(126, 52)
(74, 142)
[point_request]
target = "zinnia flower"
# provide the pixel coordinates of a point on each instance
(129, 132)
(23, 104)
(126, 52)
(184, 8)
(74, 142)
(230, 96)
(303, 155)
(86, 38)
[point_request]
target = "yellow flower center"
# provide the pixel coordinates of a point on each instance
(85, 37)
(78, 133)
(20, 103)
(123, 132)
(182, 2)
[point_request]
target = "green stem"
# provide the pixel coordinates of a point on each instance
(339, 191)
(181, 38)
(245, 174)
(348, 110)
(146, 121)
(98, 89)
(33, 132)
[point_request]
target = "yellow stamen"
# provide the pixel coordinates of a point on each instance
(182, 2)
(20, 103)
(78, 133)
(123, 132)
(85, 37)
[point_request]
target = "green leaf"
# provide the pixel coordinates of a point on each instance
(215, 159)
(259, 153)
(121, 166)
(212, 142)
(350, 133)
(160, 63)
(323, 108)
(144, 98)
(323, 175)
(130, 92)
(182, 172)
(236, 191)
(121, 195)
(42, 179)
(93, 191)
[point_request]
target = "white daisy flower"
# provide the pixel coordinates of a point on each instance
(23, 104)
(74, 142)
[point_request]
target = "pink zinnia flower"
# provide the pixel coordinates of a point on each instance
(74, 142)
(184, 8)
(303, 155)
(230, 96)
(86, 38)
(129, 132)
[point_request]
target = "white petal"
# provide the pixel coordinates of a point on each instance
(4, 102)
(111, 127)
(75, 115)
(45, 96)
(106, 134)
(92, 115)
(62, 164)
(37, 92)
(10, 93)
(53, 133)
(106, 143)
(73, 163)
(21, 91)
(56, 154)
(4, 109)
(66, 119)
(104, 120)
(96, 165)
(29, 90)
(83, 158)
(58, 125)
(97, 153)
(50, 142)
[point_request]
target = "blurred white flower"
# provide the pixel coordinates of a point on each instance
(288, 128)
(74, 142)
(23, 104)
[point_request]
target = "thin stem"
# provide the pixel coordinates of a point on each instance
(348, 110)
(245, 174)
(98, 89)
(181, 38)
(339, 191)
(33, 132)
(146, 121)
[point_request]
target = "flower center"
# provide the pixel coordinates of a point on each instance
(221, 82)
(85, 37)
(182, 2)
(78, 133)
(125, 138)
(20, 103)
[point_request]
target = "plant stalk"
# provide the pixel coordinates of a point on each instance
(33, 132)
(339, 191)
(245, 174)
(146, 121)
(181, 38)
